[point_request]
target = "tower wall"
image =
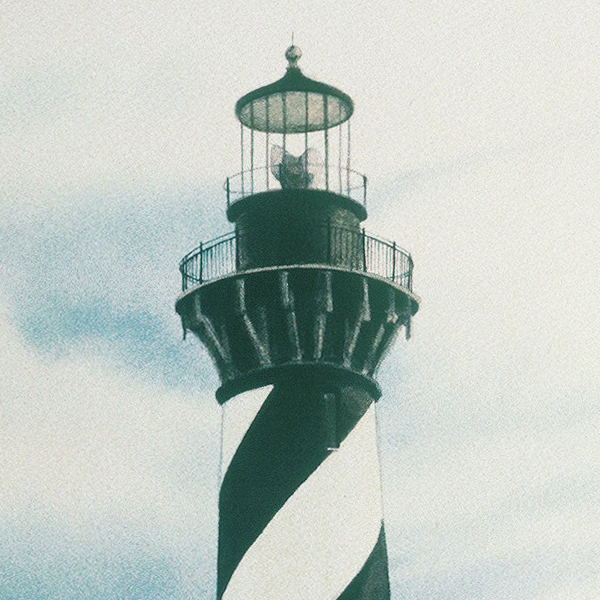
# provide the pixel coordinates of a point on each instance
(288, 227)
(300, 499)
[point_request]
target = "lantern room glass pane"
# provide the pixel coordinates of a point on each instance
(254, 113)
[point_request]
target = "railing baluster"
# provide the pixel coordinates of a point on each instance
(339, 150)
(364, 249)
(252, 147)
(200, 250)
(242, 154)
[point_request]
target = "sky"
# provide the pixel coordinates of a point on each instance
(477, 124)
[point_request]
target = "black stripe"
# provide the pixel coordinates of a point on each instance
(286, 442)
(372, 582)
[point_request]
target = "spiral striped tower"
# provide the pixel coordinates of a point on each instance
(297, 307)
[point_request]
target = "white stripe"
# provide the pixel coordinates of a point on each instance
(238, 414)
(321, 538)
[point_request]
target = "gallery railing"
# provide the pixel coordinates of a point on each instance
(339, 180)
(352, 249)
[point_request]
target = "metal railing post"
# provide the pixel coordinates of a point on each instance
(326, 135)
(394, 261)
(410, 270)
(348, 181)
(364, 248)
(183, 279)
(242, 148)
(267, 146)
(365, 190)
(252, 148)
(200, 261)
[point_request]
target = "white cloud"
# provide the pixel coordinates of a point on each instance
(98, 462)
(503, 508)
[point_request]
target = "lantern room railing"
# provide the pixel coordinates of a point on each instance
(339, 180)
(220, 257)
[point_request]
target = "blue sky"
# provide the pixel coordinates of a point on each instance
(477, 124)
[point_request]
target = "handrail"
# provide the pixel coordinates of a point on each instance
(248, 182)
(219, 257)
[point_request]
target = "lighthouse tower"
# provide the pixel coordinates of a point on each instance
(297, 307)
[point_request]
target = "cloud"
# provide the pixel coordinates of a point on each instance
(106, 478)
(487, 501)
(106, 270)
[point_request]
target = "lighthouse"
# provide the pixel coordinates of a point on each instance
(297, 307)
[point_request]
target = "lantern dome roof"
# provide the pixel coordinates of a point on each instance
(294, 103)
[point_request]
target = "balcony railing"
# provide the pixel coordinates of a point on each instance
(339, 180)
(351, 249)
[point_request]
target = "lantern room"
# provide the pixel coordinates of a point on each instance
(295, 134)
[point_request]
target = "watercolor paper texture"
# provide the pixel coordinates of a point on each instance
(477, 124)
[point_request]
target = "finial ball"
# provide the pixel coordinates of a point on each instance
(293, 55)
